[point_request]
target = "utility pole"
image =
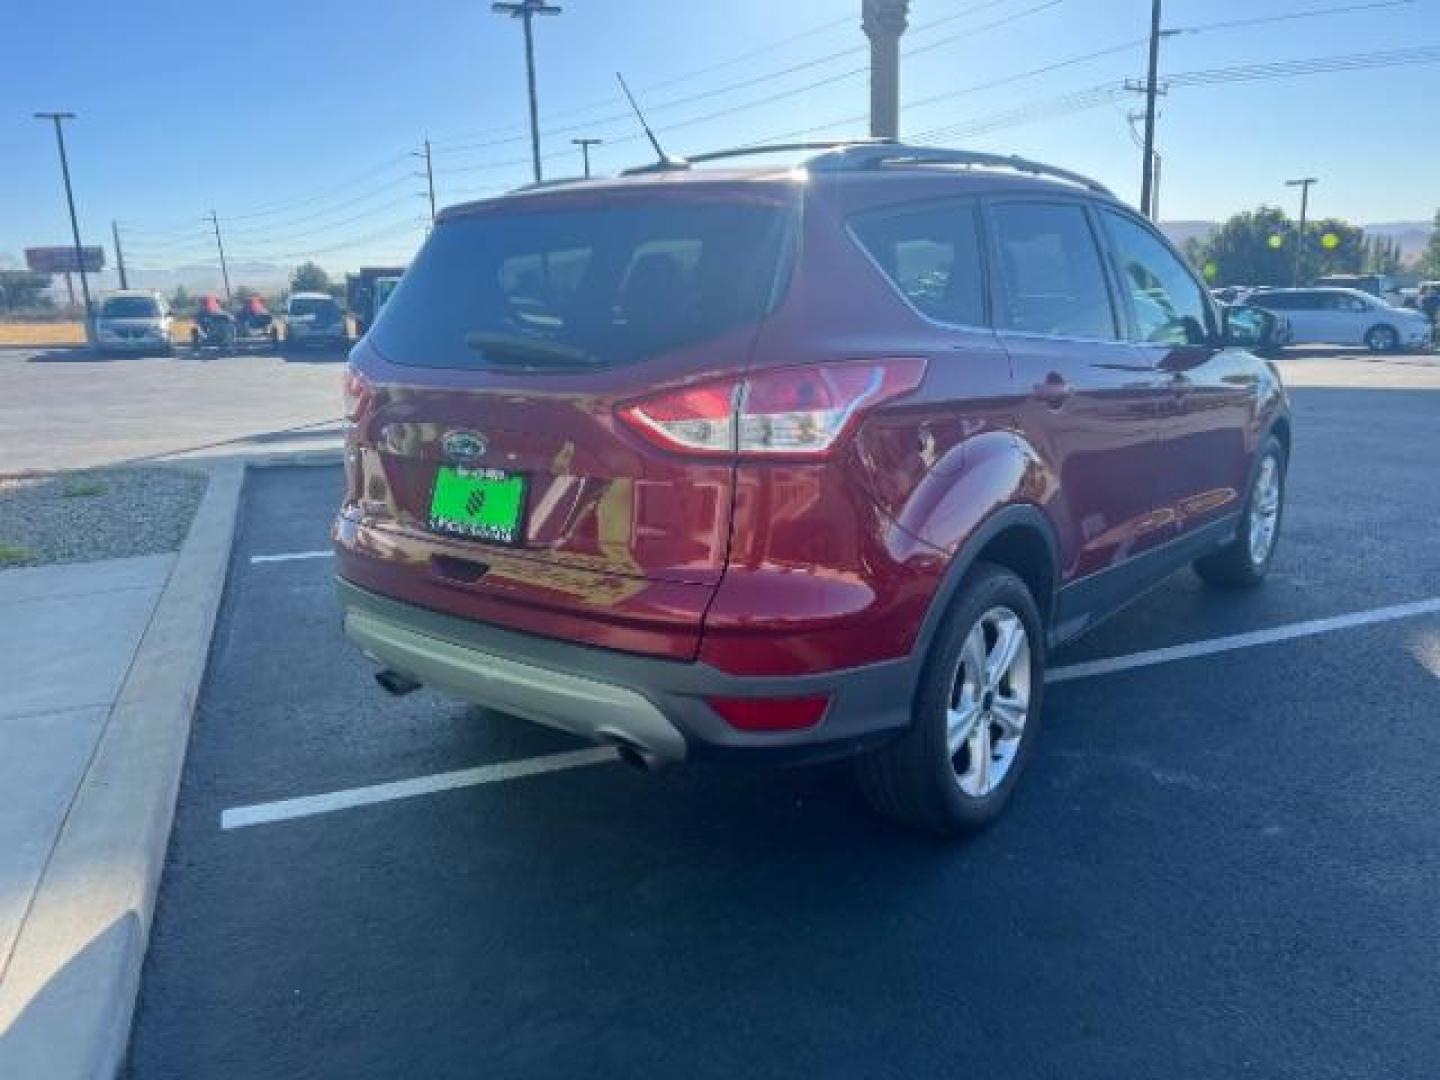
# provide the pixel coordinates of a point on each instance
(220, 246)
(884, 21)
(1304, 186)
(585, 145)
(429, 177)
(58, 118)
(119, 253)
(1152, 86)
(525, 11)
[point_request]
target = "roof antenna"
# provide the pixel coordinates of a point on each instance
(664, 160)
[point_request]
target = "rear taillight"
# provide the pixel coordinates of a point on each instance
(795, 412)
(354, 394)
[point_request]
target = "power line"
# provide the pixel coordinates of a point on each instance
(779, 96)
(804, 65)
(1261, 20)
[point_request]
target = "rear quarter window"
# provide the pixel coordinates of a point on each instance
(931, 254)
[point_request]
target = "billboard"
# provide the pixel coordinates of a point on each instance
(62, 260)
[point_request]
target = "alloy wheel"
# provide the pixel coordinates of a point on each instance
(989, 701)
(1264, 510)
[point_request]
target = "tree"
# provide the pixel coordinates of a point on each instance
(1430, 260)
(1257, 247)
(1252, 248)
(20, 289)
(309, 277)
(1332, 246)
(181, 300)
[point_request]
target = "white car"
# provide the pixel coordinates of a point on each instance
(313, 318)
(1346, 317)
(133, 320)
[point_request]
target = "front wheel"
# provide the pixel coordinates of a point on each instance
(1382, 339)
(1245, 561)
(976, 713)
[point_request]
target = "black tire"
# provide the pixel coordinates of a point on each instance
(1235, 565)
(913, 779)
(1382, 339)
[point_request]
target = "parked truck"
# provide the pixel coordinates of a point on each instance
(364, 293)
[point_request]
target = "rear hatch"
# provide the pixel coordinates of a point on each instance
(490, 475)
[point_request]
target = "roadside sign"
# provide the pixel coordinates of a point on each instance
(62, 260)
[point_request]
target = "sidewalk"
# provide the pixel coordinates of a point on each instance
(67, 637)
(100, 664)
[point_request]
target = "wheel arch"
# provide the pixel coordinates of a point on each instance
(1018, 537)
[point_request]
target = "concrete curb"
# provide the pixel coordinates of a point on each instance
(69, 991)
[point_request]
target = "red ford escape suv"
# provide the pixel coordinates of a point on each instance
(798, 461)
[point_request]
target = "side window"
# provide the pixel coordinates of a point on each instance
(932, 254)
(1352, 303)
(1169, 306)
(1052, 280)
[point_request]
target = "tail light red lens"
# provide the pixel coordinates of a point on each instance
(771, 714)
(796, 412)
(698, 419)
(354, 394)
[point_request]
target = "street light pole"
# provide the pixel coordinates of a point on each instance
(57, 118)
(526, 10)
(1304, 186)
(585, 145)
(884, 21)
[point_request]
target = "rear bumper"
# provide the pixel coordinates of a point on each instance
(652, 704)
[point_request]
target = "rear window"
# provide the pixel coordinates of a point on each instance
(614, 284)
(130, 307)
(312, 305)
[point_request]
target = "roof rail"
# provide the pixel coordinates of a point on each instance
(535, 185)
(670, 164)
(873, 155)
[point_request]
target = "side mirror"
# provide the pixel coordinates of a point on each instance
(1248, 327)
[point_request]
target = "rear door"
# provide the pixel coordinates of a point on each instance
(1352, 317)
(1308, 316)
(1088, 403)
(1209, 391)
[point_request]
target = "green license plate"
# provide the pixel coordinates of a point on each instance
(481, 504)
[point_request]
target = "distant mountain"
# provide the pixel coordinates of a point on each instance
(1413, 235)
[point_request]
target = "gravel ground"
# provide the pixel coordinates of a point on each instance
(99, 514)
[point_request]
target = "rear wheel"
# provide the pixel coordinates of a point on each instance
(1245, 561)
(1381, 339)
(976, 713)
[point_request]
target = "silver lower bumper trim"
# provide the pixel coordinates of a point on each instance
(586, 707)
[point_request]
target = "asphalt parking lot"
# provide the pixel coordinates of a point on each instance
(63, 408)
(1224, 864)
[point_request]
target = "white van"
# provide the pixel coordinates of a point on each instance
(1345, 317)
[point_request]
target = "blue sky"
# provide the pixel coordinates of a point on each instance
(294, 121)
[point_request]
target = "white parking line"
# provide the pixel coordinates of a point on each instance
(290, 556)
(240, 817)
(309, 805)
(1211, 646)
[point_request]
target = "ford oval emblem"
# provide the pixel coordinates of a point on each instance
(464, 445)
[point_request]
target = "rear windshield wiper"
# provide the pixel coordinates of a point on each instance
(508, 349)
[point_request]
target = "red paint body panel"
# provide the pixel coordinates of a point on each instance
(796, 568)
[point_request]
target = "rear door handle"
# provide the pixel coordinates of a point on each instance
(1054, 391)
